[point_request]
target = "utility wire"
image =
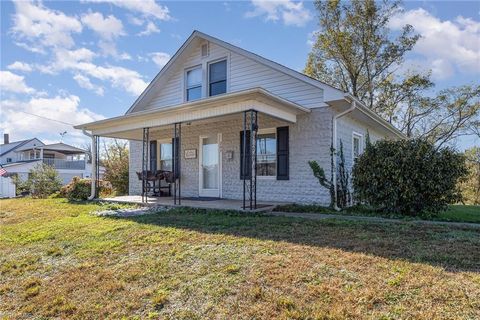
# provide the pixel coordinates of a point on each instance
(59, 121)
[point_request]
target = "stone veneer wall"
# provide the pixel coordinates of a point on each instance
(310, 139)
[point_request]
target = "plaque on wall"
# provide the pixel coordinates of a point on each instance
(191, 154)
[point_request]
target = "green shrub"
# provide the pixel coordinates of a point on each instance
(42, 181)
(409, 177)
(80, 189)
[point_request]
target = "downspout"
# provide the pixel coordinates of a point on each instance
(94, 162)
(334, 134)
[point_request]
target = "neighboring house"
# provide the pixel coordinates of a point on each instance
(21, 156)
(205, 96)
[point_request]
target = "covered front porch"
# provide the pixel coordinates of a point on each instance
(212, 145)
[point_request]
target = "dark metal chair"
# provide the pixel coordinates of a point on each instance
(150, 182)
(169, 179)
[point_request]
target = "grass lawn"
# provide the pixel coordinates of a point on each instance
(454, 213)
(59, 261)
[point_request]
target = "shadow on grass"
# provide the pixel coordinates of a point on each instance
(452, 248)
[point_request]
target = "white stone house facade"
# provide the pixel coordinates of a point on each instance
(208, 87)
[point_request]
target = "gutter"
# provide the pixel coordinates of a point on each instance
(334, 134)
(94, 161)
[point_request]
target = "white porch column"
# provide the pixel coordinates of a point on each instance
(93, 179)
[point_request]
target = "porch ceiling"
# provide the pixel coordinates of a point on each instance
(130, 126)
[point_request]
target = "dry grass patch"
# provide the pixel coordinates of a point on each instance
(57, 260)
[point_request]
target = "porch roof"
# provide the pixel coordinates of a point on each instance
(261, 100)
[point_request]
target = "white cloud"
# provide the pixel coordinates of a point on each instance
(147, 8)
(287, 11)
(135, 20)
(20, 66)
(160, 58)
(448, 46)
(11, 82)
(119, 77)
(149, 29)
(42, 27)
(62, 108)
(85, 83)
(108, 29)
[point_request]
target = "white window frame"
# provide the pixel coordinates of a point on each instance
(227, 75)
(204, 66)
(269, 131)
(185, 79)
(360, 144)
(159, 142)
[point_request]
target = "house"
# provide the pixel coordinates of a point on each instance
(20, 157)
(215, 110)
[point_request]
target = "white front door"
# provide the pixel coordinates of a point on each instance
(210, 166)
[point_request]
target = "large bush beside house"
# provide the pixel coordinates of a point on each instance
(409, 177)
(80, 189)
(43, 180)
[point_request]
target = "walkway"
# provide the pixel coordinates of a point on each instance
(323, 216)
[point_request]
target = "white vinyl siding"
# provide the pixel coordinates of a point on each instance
(242, 73)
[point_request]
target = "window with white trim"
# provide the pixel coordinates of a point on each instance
(357, 145)
(194, 84)
(217, 78)
(166, 160)
(267, 153)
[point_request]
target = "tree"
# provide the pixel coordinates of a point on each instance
(115, 160)
(440, 119)
(354, 50)
(471, 186)
(43, 180)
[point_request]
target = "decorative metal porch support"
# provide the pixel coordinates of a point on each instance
(177, 159)
(250, 118)
(145, 142)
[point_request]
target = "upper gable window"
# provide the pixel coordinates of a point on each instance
(217, 78)
(194, 84)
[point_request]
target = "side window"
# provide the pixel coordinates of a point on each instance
(357, 145)
(267, 153)
(9, 159)
(217, 78)
(194, 84)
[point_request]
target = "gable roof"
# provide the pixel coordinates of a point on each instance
(9, 147)
(257, 58)
(60, 147)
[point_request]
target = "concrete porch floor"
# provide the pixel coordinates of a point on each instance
(221, 204)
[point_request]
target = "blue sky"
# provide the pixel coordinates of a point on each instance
(82, 61)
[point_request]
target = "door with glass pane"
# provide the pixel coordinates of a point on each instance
(209, 166)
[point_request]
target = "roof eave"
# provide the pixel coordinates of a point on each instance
(253, 93)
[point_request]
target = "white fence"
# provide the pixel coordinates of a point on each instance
(7, 188)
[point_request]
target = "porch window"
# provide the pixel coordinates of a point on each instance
(266, 153)
(357, 147)
(166, 160)
(194, 84)
(217, 78)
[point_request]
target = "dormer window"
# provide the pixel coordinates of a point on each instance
(217, 78)
(194, 83)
